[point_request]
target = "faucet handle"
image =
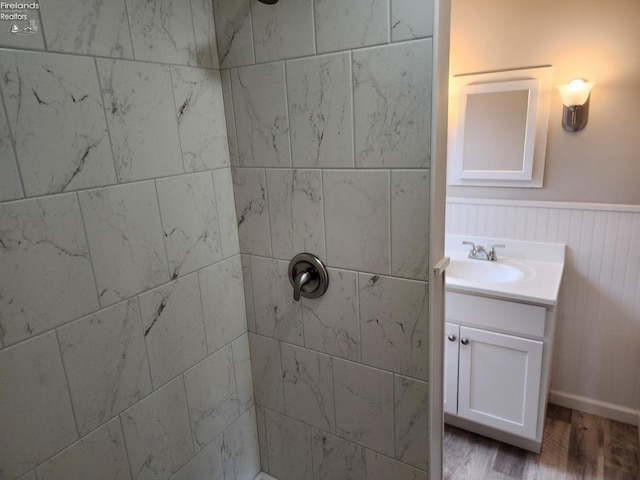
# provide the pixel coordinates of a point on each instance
(474, 249)
(492, 253)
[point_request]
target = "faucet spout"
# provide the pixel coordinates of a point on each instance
(300, 281)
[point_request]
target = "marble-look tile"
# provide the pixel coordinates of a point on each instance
(223, 302)
(242, 368)
(252, 210)
(201, 120)
(319, 96)
(205, 32)
(46, 277)
(364, 405)
(212, 396)
(283, 30)
(344, 25)
(411, 19)
(248, 293)
(277, 314)
(223, 187)
(55, 112)
(394, 317)
(36, 420)
(331, 322)
(262, 438)
(266, 367)
(10, 183)
(380, 467)
(227, 96)
(173, 328)
(106, 363)
(29, 476)
(295, 212)
(410, 224)
(157, 433)
(190, 222)
(233, 30)
(336, 458)
(240, 453)
(288, 447)
(93, 27)
(411, 421)
(308, 387)
(260, 109)
(142, 119)
(102, 453)
(31, 41)
(207, 464)
(125, 236)
(392, 105)
(357, 220)
(162, 31)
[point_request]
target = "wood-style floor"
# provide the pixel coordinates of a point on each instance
(576, 446)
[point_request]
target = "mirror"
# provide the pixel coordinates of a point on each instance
(498, 127)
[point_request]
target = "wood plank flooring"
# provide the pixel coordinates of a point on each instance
(576, 446)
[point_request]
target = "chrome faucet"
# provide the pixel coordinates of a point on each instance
(476, 250)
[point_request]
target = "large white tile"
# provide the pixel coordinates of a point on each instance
(205, 32)
(207, 464)
(212, 396)
(266, 366)
(394, 317)
(411, 421)
(233, 30)
(46, 277)
(288, 447)
(308, 387)
(283, 30)
(225, 76)
(157, 433)
(410, 224)
(10, 183)
(334, 457)
(201, 120)
(364, 405)
(223, 186)
(33, 41)
(357, 220)
(190, 222)
(252, 210)
(55, 112)
(91, 27)
(242, 369)
(125, 236)
(296, 212)
(344, 25)
(142, 119)
(392, 105)
(260, 109)
(380, 467)
(248, 293)
(36, 420)
(106, 363)
(173, 328)
(102, 453)
(240, 453)
(331, 322)
(223, 302)
(411, 19)
(162, 31)
(277, 314)
(321, 118)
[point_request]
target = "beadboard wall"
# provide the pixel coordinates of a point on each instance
(596, 354)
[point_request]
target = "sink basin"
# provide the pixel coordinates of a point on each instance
(490, 272)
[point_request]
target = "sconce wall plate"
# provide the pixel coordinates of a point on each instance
(574, 118)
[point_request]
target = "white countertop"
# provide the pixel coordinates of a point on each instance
(540, 286)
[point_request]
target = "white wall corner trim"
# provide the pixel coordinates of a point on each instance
(605, 207)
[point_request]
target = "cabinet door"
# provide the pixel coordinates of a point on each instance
(451, 347)
(499, 380)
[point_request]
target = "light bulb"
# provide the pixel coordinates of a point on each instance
(576, 92)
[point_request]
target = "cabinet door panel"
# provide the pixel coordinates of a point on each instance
(451, 368)
(499, 380)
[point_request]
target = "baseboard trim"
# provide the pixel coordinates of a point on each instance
(596, 407)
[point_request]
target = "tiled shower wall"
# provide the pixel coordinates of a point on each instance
(123, 340)
(328, 109)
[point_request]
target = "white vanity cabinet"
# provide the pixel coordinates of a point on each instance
(497, 359)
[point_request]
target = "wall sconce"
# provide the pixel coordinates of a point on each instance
(575, 97)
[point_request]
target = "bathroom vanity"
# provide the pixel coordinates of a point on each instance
(500, 323)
